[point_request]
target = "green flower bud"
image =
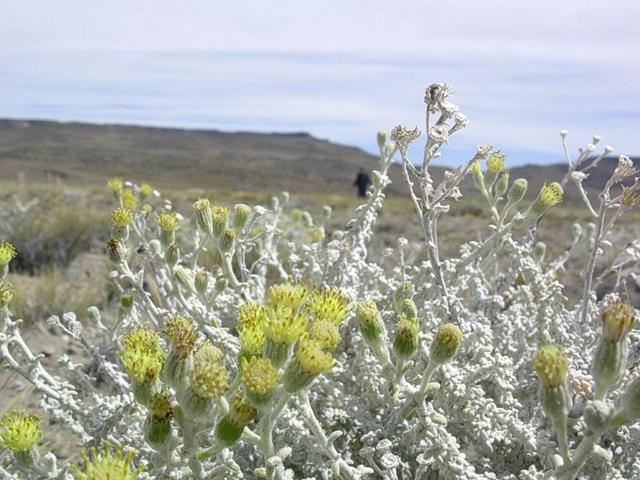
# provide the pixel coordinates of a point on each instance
(405, 291)
(142, 355)
(116, 251)
(227, 239)
(617, 321)
(157, 426)
(183, 277)
(241, 414)
(116, 185)
(202, 210)
(495, 165)
(382, 139)
(241, 213)
(201, 282)
(370, 322)
(539, 251)
(502, 184)
(307, 220)
(7, 291)
(172, 254)
(608, 366)
(518, 191)
(94, 314)
(409, 309)
(477, 176)
(445, 344)
(551, 366)
(405, 342)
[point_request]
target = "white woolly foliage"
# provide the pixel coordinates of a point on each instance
(378, 413)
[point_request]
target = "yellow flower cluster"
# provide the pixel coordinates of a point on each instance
(7, 253)
(251, 319)
(495, 163)
(116, 185)
(105, 465)
(284, 325)
(129, 199)
(551, 194)
(326, 333)
(142, 355)
(19, 431)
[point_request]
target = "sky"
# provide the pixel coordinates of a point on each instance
(340, 70)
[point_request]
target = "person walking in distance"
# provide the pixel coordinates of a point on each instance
(362, 182)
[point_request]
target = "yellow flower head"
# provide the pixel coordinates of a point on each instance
(146, 190)
(312, 358)
(116, 185)
(219, 216)
(209, 379)
(251, 315)
(160, 405)
(252, 340)
(142, 355)
(617, 321)
(7, 253)
(7, 292)
(286, 295)
(449, 335)
(326, 333)
(121, 217)
(168, 222)
(129, 199)
(258, 375)
(19, 431)
(284, 326)
(495, 163)
(202, 205)
(551, 194)
(182, 333)
(330, 305)
(207, 353)
(106, 465)
(551, 365)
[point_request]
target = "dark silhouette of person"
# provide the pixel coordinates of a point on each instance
(362, 182)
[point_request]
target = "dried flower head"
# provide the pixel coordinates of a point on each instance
(106, 465)
(19, 431)
(121, 217)
(624, 169)
(141, 355)
(7, 291)
(7, 253)
(551, 365)
(403, 136)
(631, 195)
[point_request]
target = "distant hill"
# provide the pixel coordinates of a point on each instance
(298, 162)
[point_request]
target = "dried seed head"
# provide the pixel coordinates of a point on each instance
(631, 195)
(116, 250)
(403, 136)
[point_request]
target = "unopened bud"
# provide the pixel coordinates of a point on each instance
(201, 282)
(405, 342)
(445, 344)
(220, 218)
(369, 321)
(172, 254)
(382, 139)
(241, 413)
(202, 210)
(227, 240)
(502, 184)
(241, 213)
(518, 190)
(183, 277)
(539, 251)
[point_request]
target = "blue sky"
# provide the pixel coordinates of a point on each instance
(340, 70)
